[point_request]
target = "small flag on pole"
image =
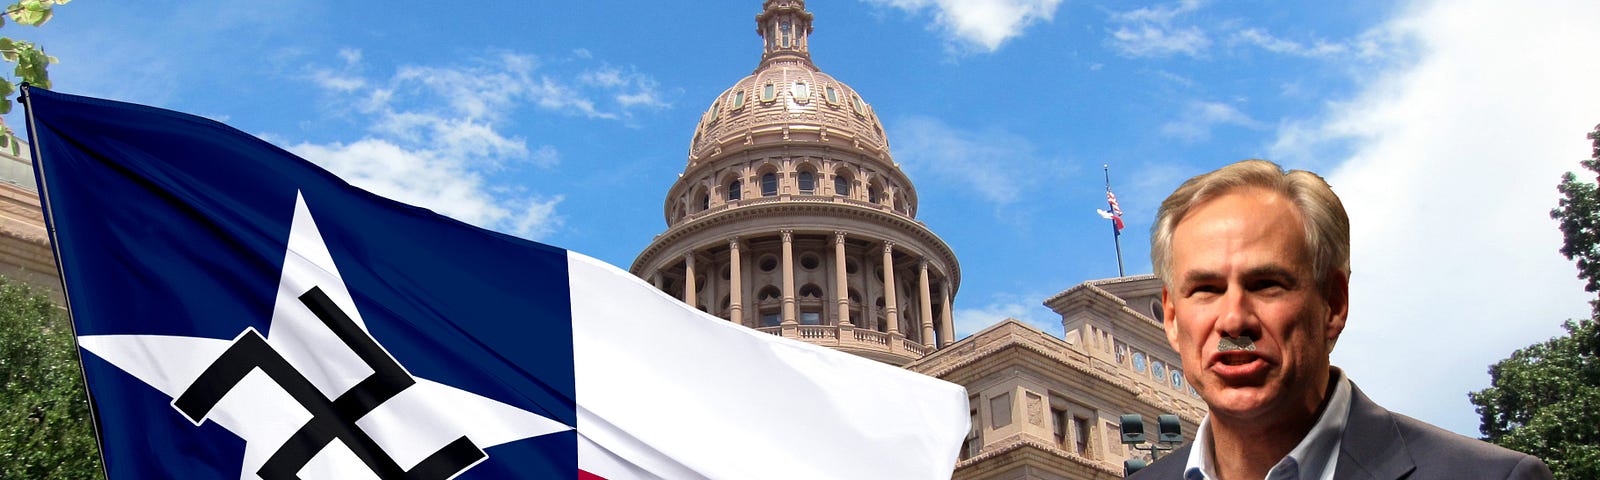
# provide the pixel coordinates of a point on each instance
(245, 314)
(1115, 215)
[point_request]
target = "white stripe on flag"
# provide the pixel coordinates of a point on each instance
(668, 391)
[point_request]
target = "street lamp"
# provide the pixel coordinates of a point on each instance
(1169, 436)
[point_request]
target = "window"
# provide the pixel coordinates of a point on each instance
(1122, 353)
(808, 182)
(801, 92)
(1177, 379)
(768, 294)
(833, 95)
(873, 194)
(810, 262)
(811, 290)
(1158, 370)
(768, 92)
(970, 446)
(860, 106)
(1058, 422)
(735, 190)
(841, 186)
(787, 30)
(704, 200)
(1138, 361)
(738, 100)
(811, 318)
(770, 319)
(1080, 435)
(767, 264)
(769, 184)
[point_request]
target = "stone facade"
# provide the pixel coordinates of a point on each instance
(1049, 408)
(25, 253)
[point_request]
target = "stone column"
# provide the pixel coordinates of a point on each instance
(736, 283)
(841, 283)
(788, 276)
(926, 298)
(688, 280)
(890, 313)
(655, 279)
(947, 324)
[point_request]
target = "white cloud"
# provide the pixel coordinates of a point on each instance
(1152, 31)
(997, 165)
(981, 24)
(971, 320)
(436, 132)
(1260, 38)
(1199, 118)
(1453, 165)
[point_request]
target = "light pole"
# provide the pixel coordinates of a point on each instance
(1170, 436)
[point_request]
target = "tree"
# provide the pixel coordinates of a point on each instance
(44, 414)
(1545, 399)
(30, 60)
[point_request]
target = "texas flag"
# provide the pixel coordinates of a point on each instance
(1115, 214)
(245, 314)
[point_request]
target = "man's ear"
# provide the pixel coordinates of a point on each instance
(1337, 294)
(1169, 318)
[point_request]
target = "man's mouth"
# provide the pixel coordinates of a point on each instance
(1235, 360)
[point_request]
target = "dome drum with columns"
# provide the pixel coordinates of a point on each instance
(791, 216)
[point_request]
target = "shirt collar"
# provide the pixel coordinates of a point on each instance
(1314, 458)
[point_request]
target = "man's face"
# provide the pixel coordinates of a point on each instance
(1240, 268)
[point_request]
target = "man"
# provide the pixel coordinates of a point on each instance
(1255, 266)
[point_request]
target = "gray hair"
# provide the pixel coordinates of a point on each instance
(1327, 227)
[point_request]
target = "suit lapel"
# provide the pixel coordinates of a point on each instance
(1371, 448)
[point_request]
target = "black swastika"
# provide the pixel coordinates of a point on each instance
(330, 420)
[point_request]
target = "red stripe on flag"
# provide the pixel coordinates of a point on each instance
(582, 475)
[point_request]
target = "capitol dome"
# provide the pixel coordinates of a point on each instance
(792, 217)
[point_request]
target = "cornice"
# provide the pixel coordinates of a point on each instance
(1021, 441)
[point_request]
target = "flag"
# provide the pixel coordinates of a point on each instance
(1115, 215)
(242, 313)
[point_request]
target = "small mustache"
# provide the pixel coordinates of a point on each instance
(1229, 344)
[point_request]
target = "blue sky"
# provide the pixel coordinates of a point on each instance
(1443, 125)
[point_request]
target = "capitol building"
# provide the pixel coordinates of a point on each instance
(792, 217)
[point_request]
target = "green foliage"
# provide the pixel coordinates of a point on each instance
(1545, 399)
(31, 62)
(1578, 213)
(45, 431)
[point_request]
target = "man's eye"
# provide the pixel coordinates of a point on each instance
(1266, 285)
(1205, 290)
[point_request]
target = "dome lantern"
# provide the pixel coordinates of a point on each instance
(784, 26)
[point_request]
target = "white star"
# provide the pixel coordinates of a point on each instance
(408, 427)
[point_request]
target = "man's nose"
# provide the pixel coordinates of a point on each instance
(1238, 318)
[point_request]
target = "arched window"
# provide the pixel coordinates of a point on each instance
(841, 186)
(768, 294)
(769, 184)
(811, 291)
(735, 190)
(874, 193)
(808, 183)
(704, 200)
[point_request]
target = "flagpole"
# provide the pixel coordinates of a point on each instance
(1116, 235)
(55, 246)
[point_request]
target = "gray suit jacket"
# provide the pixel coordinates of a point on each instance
(1383, 445)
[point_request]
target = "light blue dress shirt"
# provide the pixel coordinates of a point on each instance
(1314, 458)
